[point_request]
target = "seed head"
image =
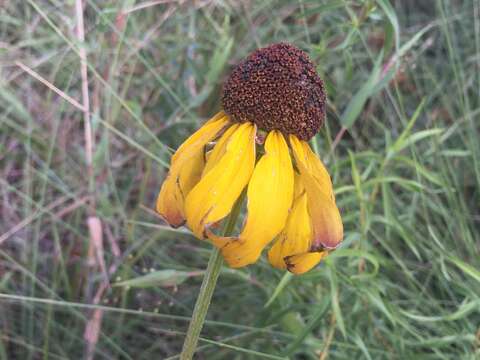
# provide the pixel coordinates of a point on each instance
(277, 88)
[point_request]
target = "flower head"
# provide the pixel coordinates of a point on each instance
(277, 88)
(290, 200)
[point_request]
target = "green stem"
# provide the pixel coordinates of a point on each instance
(206, 290)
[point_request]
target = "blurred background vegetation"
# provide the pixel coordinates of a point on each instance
(401, 143)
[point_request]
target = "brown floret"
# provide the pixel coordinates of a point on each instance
(277, 87)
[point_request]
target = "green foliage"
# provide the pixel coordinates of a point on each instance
(401, 143)
(163, 278)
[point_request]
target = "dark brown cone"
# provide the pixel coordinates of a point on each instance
(277, 87)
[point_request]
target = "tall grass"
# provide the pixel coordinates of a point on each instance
(401, 142)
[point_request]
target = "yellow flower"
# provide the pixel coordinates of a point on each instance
(273, 103)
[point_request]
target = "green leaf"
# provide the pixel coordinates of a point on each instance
(392, 17)
(293, 323)
(466, 268)
(321, 308)
(281, 285)
(220, 56)
(335, 301)
(400, 142)
(377, 301)
(322, 9)
(357, 254)
(355, 106)
(409, 44)
(162, 278)
(463, 311)
(357, 339)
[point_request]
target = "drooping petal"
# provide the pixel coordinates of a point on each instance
(186, 167)
(304, 154)
(215, 194)
(191, 173)
(270, 194)
(220, 147)
(326, 219)
(299, 188)
(301, 263)
(170, 202)
(199, 139)
(295, 238)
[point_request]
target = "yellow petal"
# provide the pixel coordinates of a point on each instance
(269, 195)
(326, 220)
(219, 149)
(170, 201)
(214, 196)
(295, 238)
(304, 154)
(169, 204)
(198, 140)
(238, 254)
(185, 170)
(301, 263)
(299, 188)
(190, 173)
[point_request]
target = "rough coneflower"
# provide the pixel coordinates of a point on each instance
(273, 103)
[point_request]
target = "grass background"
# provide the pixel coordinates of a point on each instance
(401, 143)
